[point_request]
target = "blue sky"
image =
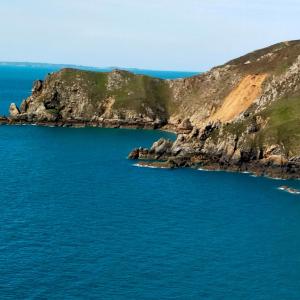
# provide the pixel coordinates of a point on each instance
(153, 34)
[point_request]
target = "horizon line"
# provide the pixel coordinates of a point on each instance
(94, 67)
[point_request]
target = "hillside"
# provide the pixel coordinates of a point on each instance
(243, 115)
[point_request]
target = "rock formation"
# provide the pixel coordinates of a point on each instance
(243, 115)
(13, 110)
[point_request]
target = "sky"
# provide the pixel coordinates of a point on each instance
(187, 35)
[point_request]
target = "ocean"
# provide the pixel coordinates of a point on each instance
(80, 221)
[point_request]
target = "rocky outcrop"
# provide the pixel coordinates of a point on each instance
(222, 155)
(116, 99)
(243, 115)
(160, 149)
(14, 110)
(249, 123)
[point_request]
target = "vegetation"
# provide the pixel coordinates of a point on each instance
(283, 56)
(53, 111)
(94, 83)
(198, 96)
(283, 125)
(130, 91)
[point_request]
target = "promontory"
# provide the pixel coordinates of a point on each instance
(242, 116)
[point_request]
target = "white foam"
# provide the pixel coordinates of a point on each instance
(275, 178)
(289, 190)
(205, 170)
(212, 170)
(148, 166)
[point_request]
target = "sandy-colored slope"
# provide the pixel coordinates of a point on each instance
(240, 99)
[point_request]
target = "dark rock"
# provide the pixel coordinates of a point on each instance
(208, 129)
(134, 154)
(23, 106)
(161, 147)
(37, 87)
(252, 128)
(53, 101)
(185, 125)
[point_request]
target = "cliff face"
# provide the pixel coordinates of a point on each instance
(80, 97)
(244, 115)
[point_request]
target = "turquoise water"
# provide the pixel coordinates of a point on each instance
(79, 221)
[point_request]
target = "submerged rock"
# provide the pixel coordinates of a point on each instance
(289, 190)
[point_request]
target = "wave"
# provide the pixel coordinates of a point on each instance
(289, 190)
(206, 170)
(148, 166)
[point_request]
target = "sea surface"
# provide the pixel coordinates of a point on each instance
(80, 221)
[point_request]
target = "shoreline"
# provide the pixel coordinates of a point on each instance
(255, 168)
(156, 165)
(111, 123)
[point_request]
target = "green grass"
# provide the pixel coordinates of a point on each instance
(282, 128)
(53, 111)
(283, 125)
(94, 83)
(140, 91)
(134, 92)
(237, 127)
(284, 55)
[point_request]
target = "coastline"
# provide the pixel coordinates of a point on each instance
(255, 168)
(166, 162)
(255, 171)
(108, 123)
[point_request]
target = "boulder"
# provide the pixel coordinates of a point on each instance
(14, 110)
(162, 146)
(276, 160)
(138, 153)
(134, 154)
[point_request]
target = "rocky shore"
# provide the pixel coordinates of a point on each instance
(168, 154)
(81, 123)
(241, 116)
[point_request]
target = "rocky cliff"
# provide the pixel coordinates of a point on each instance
(75, 97)
(243, 115)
